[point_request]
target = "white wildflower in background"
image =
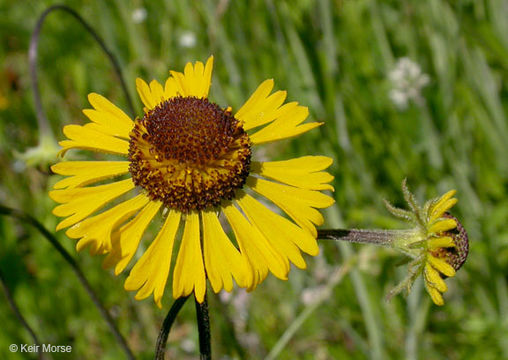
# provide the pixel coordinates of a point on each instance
(188, 345)
(313, 295)
(187, 39)
(139, 15)
(407, 80)
(321, 274)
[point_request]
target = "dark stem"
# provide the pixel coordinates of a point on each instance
(377, 237)
(42, 121)
(205, 346)
(19, 315)
(25, 218)
(162, 339)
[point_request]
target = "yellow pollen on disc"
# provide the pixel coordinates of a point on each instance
(189, 153)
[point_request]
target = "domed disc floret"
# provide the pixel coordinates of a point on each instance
(189, 153)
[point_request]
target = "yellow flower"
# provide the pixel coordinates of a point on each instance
(190, 160)
(438, 243)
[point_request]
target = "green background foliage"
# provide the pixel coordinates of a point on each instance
(334, 57)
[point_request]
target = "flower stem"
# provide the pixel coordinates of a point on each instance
(162, 339)
(377, 237)
(205, 346)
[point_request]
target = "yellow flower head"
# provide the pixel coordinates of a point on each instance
(191, 160)
(438, 244)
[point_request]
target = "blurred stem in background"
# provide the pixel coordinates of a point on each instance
(19, 315)
(47, 149)
(29, 220)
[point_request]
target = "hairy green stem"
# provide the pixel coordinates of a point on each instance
(377, 237)
(388, 238)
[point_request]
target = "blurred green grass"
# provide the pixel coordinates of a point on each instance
(335, 57)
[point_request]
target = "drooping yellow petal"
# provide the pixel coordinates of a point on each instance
(196, 79)
(81, 202)
(442, 225)
(87, 172)
(222, 259)
(440, 242)
(441, 265)
(261, 108)
(83, 137)
(283, 235)
(189, 273)
(107, 117)
(434, 279)
(96, 231)
(303, 172)
(125, 241)
(287, 125)
(151, 271)
(442, 205)
(255, 247)
(298, 203)
(434, 293)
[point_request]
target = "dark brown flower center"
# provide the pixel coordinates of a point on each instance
(189, 153)
(456, 257)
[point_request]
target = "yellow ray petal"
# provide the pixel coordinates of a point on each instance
(125, 241)
(107, 117)
(298, 203)
(87, 172)
(96, 231)
(440, 242)
(83, 137)
(434, 293)
(157, 92)
(442, 225)
(286, 125)
(253, 245)
(151, 272)
(206, 81)
(442, 205)
(303, 172)
(441, 265)
(261, 108)
(283, 235)
(189, 273)
(145, 94)
(170, 88)
(81, 202)
(248, 113)
(222, 259)
(196, 79)
(434, 279)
